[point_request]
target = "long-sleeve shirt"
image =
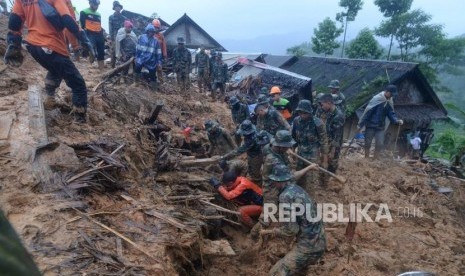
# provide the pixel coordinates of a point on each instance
(240, 112)
(310, 135)
(115, 22)
(148, 52)
(91, 21)
(40, 31)
(243, 191)
(376, 116)
(272, 122)
(334, 121)
(249, 145)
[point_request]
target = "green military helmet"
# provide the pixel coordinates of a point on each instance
(264, 90)
(209, 124)
(263, 137)
(283, 138)
(263, 99)
(281, 173)
(319, 96)
(247, 128)
(305, 106)
(336, 99)
(334, 84)
(233, 100)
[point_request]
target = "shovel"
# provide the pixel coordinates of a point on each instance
(339, 178)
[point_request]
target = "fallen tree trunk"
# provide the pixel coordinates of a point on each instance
(198, 162)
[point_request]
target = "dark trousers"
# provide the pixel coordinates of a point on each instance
(152, 76)
(98, 41)
(60, 68)
(378, 135)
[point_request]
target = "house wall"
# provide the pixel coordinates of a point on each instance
(191, 34)
(409, 93)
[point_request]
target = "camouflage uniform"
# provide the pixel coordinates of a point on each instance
(219, 76)
(254, 151)
(271, 160)
(203, 67)
(312, 141)
(182, 66)
(334, 124)
(340, 102)
(239, 113)
(239, 167)
(272, 122)
(220, 141)
(310, 242)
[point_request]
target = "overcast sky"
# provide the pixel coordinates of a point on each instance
(246, 19)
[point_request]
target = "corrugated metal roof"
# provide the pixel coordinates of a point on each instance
(278, 61)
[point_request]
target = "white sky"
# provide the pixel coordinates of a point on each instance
(246, 19)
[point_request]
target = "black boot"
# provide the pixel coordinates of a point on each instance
(80, 115)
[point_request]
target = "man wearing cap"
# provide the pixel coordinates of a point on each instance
(220, 141)
(115, 22)
(239, 112)
(339, 98)
(182, 60)
(333, 119)
(125, 43)
(281, 104)
(310, 243)
(148, 55)
(376, 117)
(91, 22)
(219, 76)
(268, 118)
(254, 151)
(202, 65)
(243, 192)
(312, 142)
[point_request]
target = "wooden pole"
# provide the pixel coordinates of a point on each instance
(338, 178)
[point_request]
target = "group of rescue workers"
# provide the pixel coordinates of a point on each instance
(313, 131)
(267, 135)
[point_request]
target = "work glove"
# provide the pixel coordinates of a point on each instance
(13, 55)
(214, 182)
(86, 44)
(400, 122)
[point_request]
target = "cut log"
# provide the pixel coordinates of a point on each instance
(118, 69)
(37, 126)
(198, 162)
(6, 121)
(154, 114)
(217, 248)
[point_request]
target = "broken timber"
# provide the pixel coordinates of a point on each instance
(198, 162)
(37, 126)
(113, 72)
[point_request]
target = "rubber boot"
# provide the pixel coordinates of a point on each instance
(101, 65)
(367, 153)
(80, 114)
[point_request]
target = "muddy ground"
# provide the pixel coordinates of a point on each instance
(131, 219)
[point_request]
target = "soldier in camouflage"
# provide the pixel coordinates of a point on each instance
(239, 112)
(339, 98)
(182, 64)
(219, 75)
(275, 154)
(237, 166)
(202, 64)
(268, 118)
(115, 22)
(220, 141)
(254, 151)
(333, 119)
(310, 236)
(312, 142)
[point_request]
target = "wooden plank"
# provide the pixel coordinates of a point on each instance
(154, 113)
(37, 126)
(199, 162)
(6, 121)
(217, 248)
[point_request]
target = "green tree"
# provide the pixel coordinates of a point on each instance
(391, 9)
(300, 50)
(364, 46)
(351, 9)
(324, 38)
(414, 30)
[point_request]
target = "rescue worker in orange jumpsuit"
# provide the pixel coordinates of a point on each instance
(281, 104)
(243, 192)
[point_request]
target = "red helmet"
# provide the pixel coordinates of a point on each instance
(156, 23)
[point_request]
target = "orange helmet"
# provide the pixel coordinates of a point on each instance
(156, 23)
(275, 90)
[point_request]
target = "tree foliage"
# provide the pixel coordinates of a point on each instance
(364, 46)
(324, 38)
(391, 9)
(352, 7)
(299, 50)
